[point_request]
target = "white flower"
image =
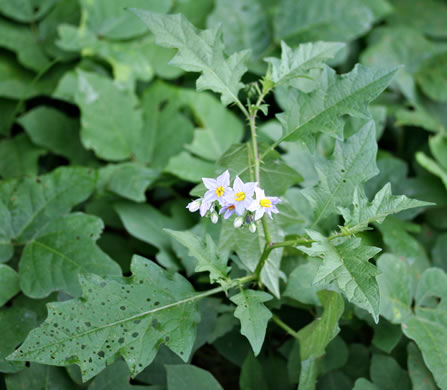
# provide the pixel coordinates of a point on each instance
(217, 188)
(194, 205)
(264, 204)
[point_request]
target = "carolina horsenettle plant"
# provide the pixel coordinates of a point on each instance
(262, 215)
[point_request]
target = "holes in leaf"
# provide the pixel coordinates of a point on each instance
(122, 307)
(135, 334)
(101, 354)
(121, 340)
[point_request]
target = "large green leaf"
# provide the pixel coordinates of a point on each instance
(387, 374)
(342, 20)
(428, 17)
(36, 375)
(9, 283)
(16, 321)
(185, 377)
(130, 318)
(129, 180)
(314, 338)
(394, 46)
(336, 96)
(29, 204)
(24, 42)
(428, 325)
(420, 376)
(253, 315)
(245, 25)
(26, 10)
(111, 123)
(199, 51)
(112, 20)
(384, 203)
(347, 266)
(55, 131)
(352, 163)
(205, 251)
(66, 246)
(19, 157)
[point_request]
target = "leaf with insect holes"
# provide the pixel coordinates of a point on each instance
(129, 317)
(199, 51)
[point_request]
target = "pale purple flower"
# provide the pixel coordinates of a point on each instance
(264, 204)
(227, 210)
(217, 188)
(241, 195)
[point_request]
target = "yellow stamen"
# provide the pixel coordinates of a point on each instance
(220, 191)
(240, 196)
(265, 203)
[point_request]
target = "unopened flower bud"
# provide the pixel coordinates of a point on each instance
(238, 221)
(214, 217)
(194, 205)
(252, 227)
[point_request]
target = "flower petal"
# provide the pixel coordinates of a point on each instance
(224, 179)
(238, 185)
(211, 184)
(259, 213)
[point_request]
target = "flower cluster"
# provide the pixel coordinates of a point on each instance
(246, 200)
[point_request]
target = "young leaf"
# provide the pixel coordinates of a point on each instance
(205, 251)
(352, 163)
(254, 316)
(384, 203)
(67, 247)
(199, 51)
(186, 377)
(9, 283)
(130, 318)
(297, 62)
(348, 267)
(322, 110)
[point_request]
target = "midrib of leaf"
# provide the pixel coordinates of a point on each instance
(34, 216)
(339, 184)
(134, 317)
(56, 252)
(281, 139)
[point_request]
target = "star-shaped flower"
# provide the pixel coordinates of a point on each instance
(264, 204)
(217, 188)
(241, 195)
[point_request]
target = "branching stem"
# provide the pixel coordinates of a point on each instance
(284, 326)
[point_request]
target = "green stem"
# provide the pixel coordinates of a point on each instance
(284, 326)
